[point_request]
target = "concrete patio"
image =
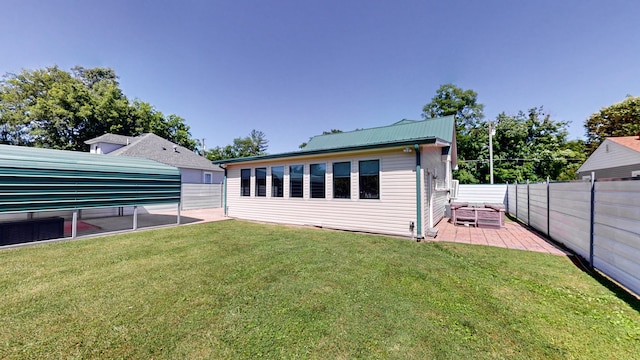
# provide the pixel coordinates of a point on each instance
(512, 236)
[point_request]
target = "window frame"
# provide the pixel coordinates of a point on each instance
(245, 189)
(337, 180)
(274, 186)
(362, 179)
(292, 179)
(313, 193)
(204, 177)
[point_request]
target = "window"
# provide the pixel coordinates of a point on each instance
(261, 181)
(317, 172)
(245, 182)
(277, 183)
(369, 179)
(342, 180)
(208, 178)
(296, 173)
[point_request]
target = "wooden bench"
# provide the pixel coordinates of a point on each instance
(485, 216)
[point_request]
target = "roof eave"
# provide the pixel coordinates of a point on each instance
(428, 140)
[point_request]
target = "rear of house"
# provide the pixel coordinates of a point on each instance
(388, 180)
(616, 157)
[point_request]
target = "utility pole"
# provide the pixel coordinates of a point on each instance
(204, 149)
(492, 132)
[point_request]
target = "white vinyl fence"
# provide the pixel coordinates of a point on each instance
(481, 193)
(201, 196)
(599, 221)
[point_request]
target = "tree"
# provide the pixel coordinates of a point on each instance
(531, 146)
(620, 119)
(452, 100)
(332, 131)
(463, 104)
(57, 109)
(253, 145)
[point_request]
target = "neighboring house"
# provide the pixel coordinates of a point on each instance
(194, 169)
(616, 157)
(389, 180)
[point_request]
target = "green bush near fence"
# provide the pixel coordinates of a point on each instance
(242, 290)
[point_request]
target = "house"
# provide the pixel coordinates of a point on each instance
(616, 157)
(390, 180)
(194, 169)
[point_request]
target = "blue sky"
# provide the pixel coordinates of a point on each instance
(293, 69)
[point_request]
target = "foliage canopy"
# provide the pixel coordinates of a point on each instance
(620, 119)
(57, 109)
(253, 145)
(526, 146)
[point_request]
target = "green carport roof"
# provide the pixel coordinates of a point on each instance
(34, 179)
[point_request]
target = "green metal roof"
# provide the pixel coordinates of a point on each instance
(405, 130)
(402, 133)
(34, 179)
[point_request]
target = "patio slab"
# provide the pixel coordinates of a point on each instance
(512, 236)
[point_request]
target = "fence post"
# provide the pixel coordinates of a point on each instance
(528, 207)
(507, 199)
(516, 199)
(591, 227)
(548, 210)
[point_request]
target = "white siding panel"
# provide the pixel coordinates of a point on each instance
(191, 176)
(610, 155)
(482, 193)
(390, 214)
(441, 199)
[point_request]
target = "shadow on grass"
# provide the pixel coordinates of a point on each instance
(581, 263)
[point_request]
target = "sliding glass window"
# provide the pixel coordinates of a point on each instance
(342, 180)
(261, 181)
(277, 181)
(317, 172)
(296, 176)
(245, 182)
(369, 179)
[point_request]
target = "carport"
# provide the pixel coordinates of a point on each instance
(33, 180)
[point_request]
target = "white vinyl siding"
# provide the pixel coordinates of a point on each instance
(391, 214)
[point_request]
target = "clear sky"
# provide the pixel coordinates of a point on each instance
(295, 68)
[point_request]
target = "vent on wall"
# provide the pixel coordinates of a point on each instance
(454, 189)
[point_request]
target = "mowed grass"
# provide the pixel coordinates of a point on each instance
(243, 290)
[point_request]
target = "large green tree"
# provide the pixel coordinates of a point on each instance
(452, 100)
(57, 109)
(532, 146)
(526, 146)
(253, 145)
(619, 119)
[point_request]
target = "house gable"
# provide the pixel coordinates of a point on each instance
(610, 154)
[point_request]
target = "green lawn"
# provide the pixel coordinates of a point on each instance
(242, 290)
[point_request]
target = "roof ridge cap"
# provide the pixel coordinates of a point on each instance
(385, 126)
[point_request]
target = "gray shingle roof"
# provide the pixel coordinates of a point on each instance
(111, 139)
(151, 146)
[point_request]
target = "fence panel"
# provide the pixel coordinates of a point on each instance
(538, 207)
(482, 193)
(570, 215)
(201, 196)
(616, 249)
(511, 200)
(522, 211)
